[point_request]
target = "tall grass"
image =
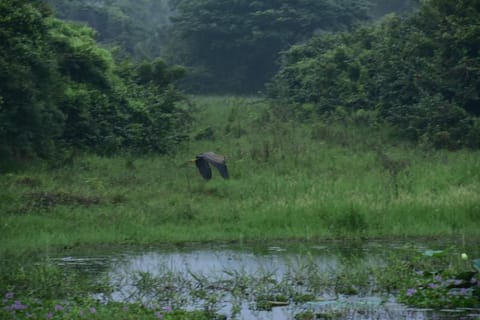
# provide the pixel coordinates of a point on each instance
(325, 178)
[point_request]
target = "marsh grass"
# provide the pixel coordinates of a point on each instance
(324, 178)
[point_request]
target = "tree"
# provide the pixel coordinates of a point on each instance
(59, 89)
(136, 28)
(420, 73)
(29, 81)
(232, 46)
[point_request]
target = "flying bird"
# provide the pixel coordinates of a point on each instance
(203, 160)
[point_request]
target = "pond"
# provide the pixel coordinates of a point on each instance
(278, 280)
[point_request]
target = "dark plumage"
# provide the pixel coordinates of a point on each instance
(203, 160)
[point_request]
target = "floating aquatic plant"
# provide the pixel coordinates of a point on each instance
(445, 288)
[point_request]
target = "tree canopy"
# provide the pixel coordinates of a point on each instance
(136, 28)
(419, 73)
(228, 46)
(59, 89)
(232, 46)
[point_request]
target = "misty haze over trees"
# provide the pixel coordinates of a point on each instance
(137, 28)
(114, 88)
(229, 47)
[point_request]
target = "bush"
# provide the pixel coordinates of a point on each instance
(59, 90)
(420, 74)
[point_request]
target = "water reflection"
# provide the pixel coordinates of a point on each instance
(212, 263)
(189, 277)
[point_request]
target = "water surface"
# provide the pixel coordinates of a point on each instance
(229, 278)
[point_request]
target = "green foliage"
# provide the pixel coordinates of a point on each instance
(233, 47)
(136, 28)
(30, 117)
(60, 90)
(159, 74)
(243, 38)
(420, 74)
(350, 222)
(382, 7)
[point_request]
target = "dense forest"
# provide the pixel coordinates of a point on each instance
(103, 88)
(419, 73)
(233, 48)
(60, 91)
(134, 28)
(228, 48)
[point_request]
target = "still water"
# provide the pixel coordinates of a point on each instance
(230, 278)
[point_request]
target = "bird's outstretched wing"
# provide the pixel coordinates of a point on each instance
(217, 161)
(222, 168)
(204, 168)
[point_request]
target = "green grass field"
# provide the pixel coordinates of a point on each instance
(329, 179)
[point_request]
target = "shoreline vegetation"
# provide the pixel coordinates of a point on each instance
(334, 178)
